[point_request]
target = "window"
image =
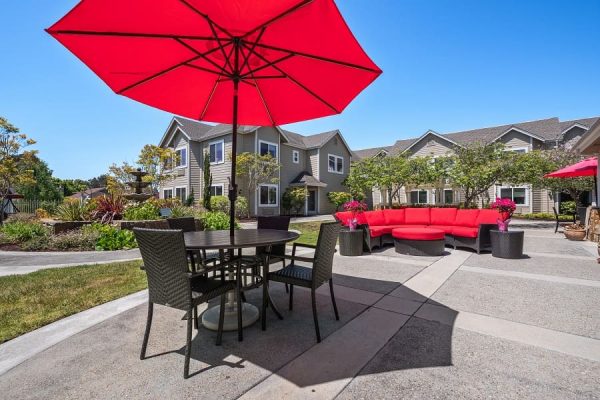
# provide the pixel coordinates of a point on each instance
(517, 194)
(295, 156)
(418, 197)
(448, 196)
(267, 148)
(335, 164)
(216, 151)
(181, 159)
(181, 193)
(268, 195)
(216, 190)
(519, 150)
(168, 194)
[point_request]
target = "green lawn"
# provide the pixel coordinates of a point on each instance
(310, 232)
(30, 301)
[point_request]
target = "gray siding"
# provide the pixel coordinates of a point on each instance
(431, 145)
(333, 180)
(516, 139)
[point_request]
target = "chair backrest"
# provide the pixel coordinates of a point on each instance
(323, 264)
(165, 262)
(186, 224)
(281, 223)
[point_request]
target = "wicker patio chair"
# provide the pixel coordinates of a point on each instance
(171, 284)
(312, 278)
(200, 258)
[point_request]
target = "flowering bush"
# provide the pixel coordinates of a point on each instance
(505, 206)
(355, 206)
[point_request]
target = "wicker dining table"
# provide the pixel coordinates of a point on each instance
(242, 238)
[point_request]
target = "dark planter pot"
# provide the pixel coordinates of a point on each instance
(507, 244)
(351, 242)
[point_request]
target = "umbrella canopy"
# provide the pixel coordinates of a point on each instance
(254, 62)
(587, 167)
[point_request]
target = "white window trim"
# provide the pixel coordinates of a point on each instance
(222, 188)
(295, 156)
(222, 143)
(420, 190)
(526, 148)
(270, 144)
(276, 197)
(180, 187)
(187, 156)
(527, 189)
(335, 170)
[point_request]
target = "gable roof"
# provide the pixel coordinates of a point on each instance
(585, 123)
(423, 136)
(306, 178)
(367, 153)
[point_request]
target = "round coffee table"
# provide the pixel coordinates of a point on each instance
(419, 241)
(508, 244)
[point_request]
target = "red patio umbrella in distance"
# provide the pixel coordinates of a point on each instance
(254, 62)
(587, 167)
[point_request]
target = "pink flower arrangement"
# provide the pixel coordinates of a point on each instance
(506, 207)
(356, 207)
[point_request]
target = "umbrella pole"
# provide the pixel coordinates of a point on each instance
(233, 184)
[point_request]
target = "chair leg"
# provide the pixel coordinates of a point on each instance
(196, 324)
(314, 308)
(188, 347)
(243, 295)
(291, 297)
(221, 319)
(335, 310)
(287, 288)
(147, 332)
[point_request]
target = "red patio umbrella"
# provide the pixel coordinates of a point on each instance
(255, 62)
(587, 167)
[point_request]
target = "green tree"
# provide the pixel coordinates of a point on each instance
(295, 198)
(254, 169)
(207, 182)
(477, 167)
(156, 161)
(45, 187)
(71, 186)
(118, 176)
(97, 181)
(15, 161)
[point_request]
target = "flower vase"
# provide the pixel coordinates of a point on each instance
(503, 225)
(352, 225)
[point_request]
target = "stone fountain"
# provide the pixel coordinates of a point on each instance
(138, 185)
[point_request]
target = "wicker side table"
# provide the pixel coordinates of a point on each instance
(351, 242)
(507, 244)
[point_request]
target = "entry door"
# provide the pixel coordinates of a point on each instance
(312, 201)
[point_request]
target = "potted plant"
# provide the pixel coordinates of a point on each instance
(506, 207)
(355, 207)
(575, 232)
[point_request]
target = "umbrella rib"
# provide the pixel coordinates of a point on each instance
(264, 102)
(206, 17)
(212, 28)
(299, 84)
(210, 96)
(203, 55)
(278, 16)
(269, 64)
(320, 58)
(247, 58)
(130, 34)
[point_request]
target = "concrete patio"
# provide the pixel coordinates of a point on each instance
(458, 326)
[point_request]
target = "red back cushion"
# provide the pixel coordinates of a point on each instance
(416, 216)
(394, 217)
(487, 216)
(344, 217)
(443, 216)
(361, 219)
(374, 218)
(467, 218)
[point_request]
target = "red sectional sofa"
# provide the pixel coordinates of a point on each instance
(463, 228)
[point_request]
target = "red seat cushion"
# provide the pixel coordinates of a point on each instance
(416, 216)
(446, 228)
(488, 216)
(467, 218)
(394, 217)
(377, 231)
(374, 218)
(418, 234)
(443, 216)
(463, 231)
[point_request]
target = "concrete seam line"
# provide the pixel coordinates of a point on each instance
(538, 277)
(50, 335)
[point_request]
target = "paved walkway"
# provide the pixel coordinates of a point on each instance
(458, 326)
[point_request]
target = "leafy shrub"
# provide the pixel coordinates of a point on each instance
(75, 240)
(109, 208)
(36, 244)
(568, 207)
(338, 198)
(294, 198)
(22, 231)
(140, 212)
(544, 216)
(40, 213)
(183, 211)
(73, 210)
(164, 203)
(49, 206)
(215, 220)
(21, 217)
(241, 207)
(219, 203)
(110, 237)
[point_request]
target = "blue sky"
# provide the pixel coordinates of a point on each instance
(448, 66)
